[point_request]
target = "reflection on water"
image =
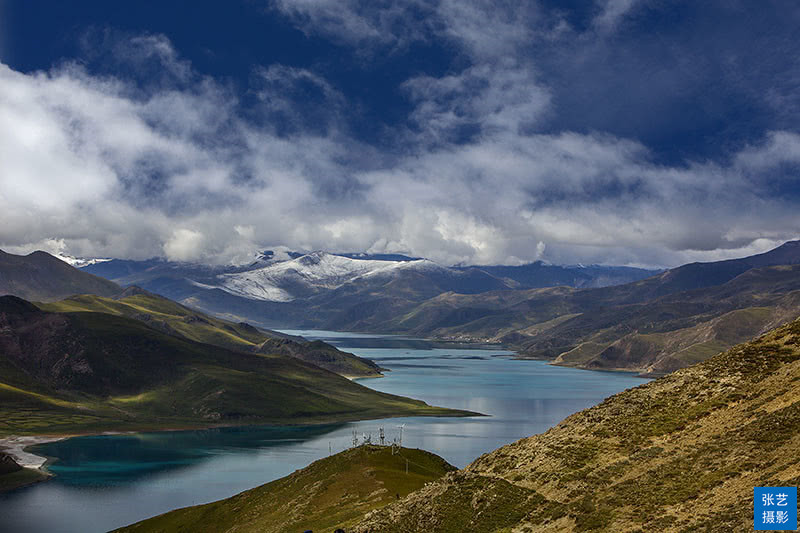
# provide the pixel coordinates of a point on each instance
(108, 481)
(114, 460)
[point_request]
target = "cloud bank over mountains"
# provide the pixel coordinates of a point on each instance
(488, 166)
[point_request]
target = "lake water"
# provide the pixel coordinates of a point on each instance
(104, 482)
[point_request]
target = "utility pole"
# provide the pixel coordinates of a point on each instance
(355, 439)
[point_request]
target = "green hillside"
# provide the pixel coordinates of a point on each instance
(679, 454)
(64, 373)
(172, 318)
(329, 493)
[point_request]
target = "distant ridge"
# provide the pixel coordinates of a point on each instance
(41, 277)
(654, 326)
(322, 290)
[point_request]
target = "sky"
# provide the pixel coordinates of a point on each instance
(631, 132)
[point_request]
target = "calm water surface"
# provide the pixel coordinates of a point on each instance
(104, 482)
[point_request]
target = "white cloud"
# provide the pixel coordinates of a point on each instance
(488, 97)
(612, 11)
(184, 245)
(101, 168)
(356, 22)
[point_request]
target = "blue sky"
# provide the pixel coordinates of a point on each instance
(636, 132)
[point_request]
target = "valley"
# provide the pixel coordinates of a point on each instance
(680, 453)
(143, 474)
(83, 365)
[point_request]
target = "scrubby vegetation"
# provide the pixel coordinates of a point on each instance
(681, 453)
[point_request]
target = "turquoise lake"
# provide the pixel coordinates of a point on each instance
(104, 482)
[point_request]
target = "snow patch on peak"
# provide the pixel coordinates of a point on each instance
(80, 262)
(312, 272)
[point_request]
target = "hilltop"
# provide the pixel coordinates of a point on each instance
(681, 453)
(329, 493)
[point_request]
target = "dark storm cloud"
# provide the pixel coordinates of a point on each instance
(622, 131)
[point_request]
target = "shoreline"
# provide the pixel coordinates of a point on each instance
(16, 448)
(16, 445)
(33, 466)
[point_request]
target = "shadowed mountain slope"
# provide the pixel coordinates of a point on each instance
(172, 318)
(41, 277)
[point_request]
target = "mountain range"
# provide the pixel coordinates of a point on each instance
(61, 288)
(654, 325)
(324, 290)
(599, 317)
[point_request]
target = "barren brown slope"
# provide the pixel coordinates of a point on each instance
(681, 453)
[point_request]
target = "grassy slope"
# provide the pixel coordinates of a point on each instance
(329, 493)
(87, 372)
(681, 453)
(171, 317)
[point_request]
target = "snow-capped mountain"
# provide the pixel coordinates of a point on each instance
(283, 281)
(284, 288)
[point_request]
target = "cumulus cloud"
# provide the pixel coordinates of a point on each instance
(185, 168)
(482, 100)
(184, 245)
